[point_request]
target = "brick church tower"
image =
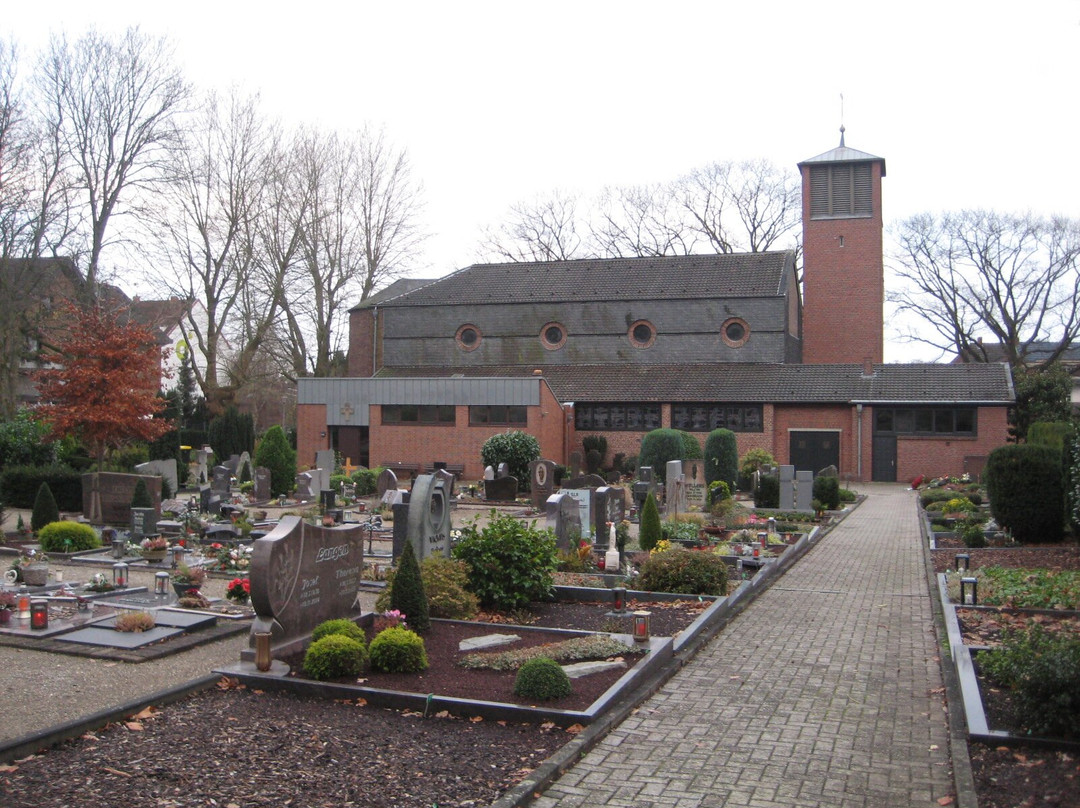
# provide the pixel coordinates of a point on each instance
(843, 265)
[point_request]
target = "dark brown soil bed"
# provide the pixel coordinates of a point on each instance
(1047, 556)
(245, 748)
(985, 626)
(446, 677)
(666, 618)
(1010, 777)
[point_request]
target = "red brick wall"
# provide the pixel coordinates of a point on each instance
(843, 286)
(936, 457)
(833, 417)
(361, 334)
(311, 433)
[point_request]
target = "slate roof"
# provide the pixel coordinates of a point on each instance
(1036, 353)
(824, 384)
(399, 287)
(844, 154)
(666, 278)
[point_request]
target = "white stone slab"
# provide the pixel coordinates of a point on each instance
(579, 669)
(487, 641)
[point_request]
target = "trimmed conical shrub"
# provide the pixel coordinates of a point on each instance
(141, 497)
(650, 532)
(722, 458)
(407, 591)
(45, 509)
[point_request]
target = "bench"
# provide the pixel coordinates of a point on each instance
(399, 467)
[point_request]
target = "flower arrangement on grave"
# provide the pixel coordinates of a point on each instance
(238, 590)
(388, 619)
(99, 583)
(190, 576)
(134, 622)
(31, 568)
(154, 543)
(232, 559)
(7, 601)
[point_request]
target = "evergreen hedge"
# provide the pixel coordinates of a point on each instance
(1024, 484)
(275, 454)
(658, 447)
(45, 509)
(19, 486)
(407, 591)
(721, 458)
(650, 531)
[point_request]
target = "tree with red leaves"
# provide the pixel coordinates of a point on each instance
(103, 385)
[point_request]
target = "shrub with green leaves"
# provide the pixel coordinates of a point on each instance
(1024, 484)
(333, 656)
(346, 628)
(827, 491)
(19, 485)
(510, 563)
(722, 458)
(657, 448)
(516, 449)
(140, 498)
(367, 481)
(67, 537)
(691, 447)
(407, 591)
(971, 534)
(767, 494)
(542, 679)
(446, 582)
(276, 454)
(1043, 670)
(45, 509)
(691, 572)
(650, 531)
(398, 650)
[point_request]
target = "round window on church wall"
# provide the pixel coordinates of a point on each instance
(735, 332)
(468, 337)
(642, 334)
(553, 336)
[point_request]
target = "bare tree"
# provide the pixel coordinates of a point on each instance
(546, 229)
(640, 221)
(110, 104)
(1014, 279)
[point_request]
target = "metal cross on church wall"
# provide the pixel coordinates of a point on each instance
(346, 411)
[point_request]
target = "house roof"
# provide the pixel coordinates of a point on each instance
(399, 287)
(664, 278)
(161, 314)
(1036, 353)
(908, 383)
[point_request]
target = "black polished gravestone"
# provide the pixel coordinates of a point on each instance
(220, 481)
(301, 575)
(541, 481)
(262, 484)
(501, 489)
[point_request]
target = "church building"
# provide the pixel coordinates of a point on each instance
(618, 347)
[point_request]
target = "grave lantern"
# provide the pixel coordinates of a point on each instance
(24, 604)
(177, 551)
(262, 650)
(620, 599)
(120, 574)
(973, 583)
(161, 583)
(39, 614)
(119, 547)
(641, 626)
(963, 562)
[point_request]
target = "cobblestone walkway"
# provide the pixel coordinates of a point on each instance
(826, 691)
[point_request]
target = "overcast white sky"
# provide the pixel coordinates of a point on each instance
(972, 104)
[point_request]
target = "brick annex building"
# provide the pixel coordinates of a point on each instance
(618, 347)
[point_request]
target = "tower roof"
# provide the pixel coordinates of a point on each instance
(844, 154)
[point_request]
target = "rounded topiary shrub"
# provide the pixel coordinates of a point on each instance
(398, 650)
(690, 572)
(67, 537)
(1024, 484)
(542, 679)
(722, 458)
(516, 449)
(657, 448)
(45, 510)
(510, 563)
(342, 626)
(333, 656)
(827, 492)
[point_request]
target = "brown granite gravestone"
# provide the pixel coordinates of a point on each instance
(107, 496)
(302, 575)
(542, 481)
(501, 489)
(262, 484)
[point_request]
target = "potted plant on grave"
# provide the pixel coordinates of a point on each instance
(186, 579)
(239, 590)
(7, 606)
(154, 548)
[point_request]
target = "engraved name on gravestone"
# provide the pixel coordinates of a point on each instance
(301, 575)
(107, 496)
(143, 523)
(429, 514)
(583, 497)
(262, 484)
(697, 491)
(564, 519)
(219, 482)
(542, 481)
(787, 488)
(804, 490)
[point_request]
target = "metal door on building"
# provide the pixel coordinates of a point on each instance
(883, 465)
(813, 450)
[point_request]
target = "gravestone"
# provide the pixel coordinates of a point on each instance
(675, 499)
(232, 464)
(694, 470)
(609, 505)
(262, 484)
(501, 489)
(219, 482)
(787, 488)
(394, 496)
(804, 490)
(585, 481)
(673, 471)
(205, 496)
(429, 514)
(583, 497)
(564, 519)
(695, 489)
(143, 523)
(166, 469)
(245, 463)
(489, 472)
(829, 471)
(401, 524)
(107, 495)
(202, 464)
(387, 482)
(324, 464)
(575, 464)
(302, 575)
(502, 471)
(541, 481)
(305, 487)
